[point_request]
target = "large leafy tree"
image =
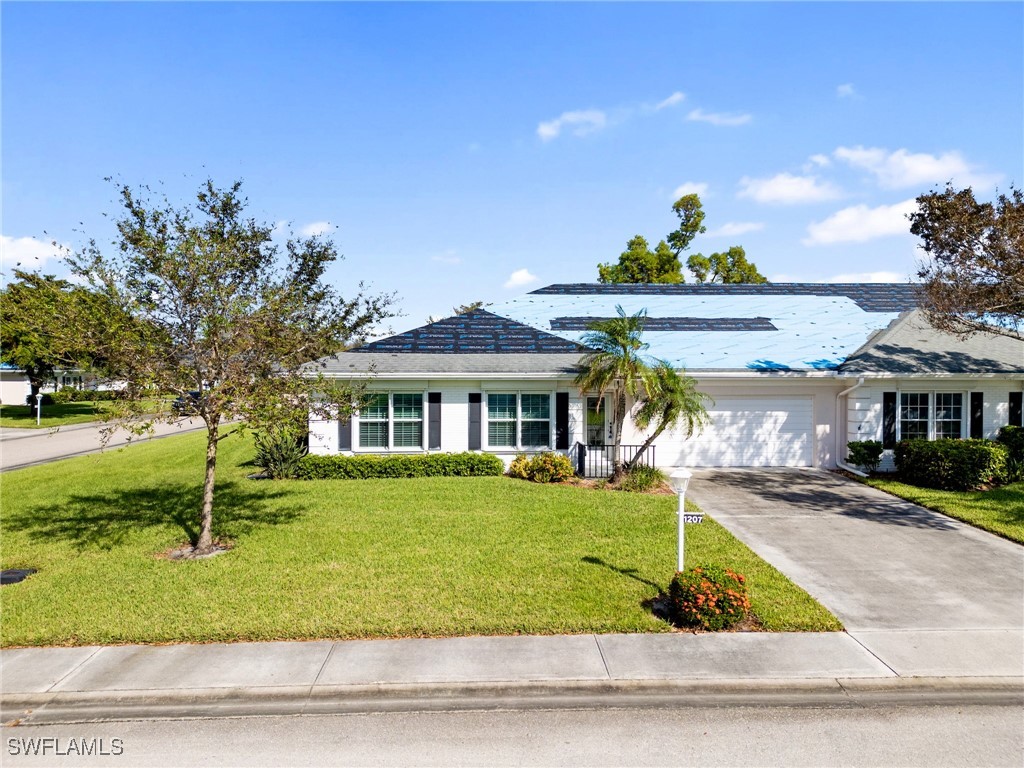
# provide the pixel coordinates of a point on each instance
(973, 276)
(616, 368)
(206, 301)
(730, 266)
(639, 264)
(35, 312)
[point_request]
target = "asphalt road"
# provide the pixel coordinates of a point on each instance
(26, 447)
(790, 736)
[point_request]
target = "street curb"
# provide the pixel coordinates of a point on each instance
(96, 706)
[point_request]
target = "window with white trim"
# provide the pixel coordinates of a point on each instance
(519, 420)
(931, 415)
(392, 420)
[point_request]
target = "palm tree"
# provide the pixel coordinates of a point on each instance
(670, 399)
(616, 366)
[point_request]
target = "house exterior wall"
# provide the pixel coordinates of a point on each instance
(864, 406)
(13, 387)
(818, 395)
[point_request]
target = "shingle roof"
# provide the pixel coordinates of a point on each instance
(474, 332)
(511, 365)
(912, 346)
(871, 297)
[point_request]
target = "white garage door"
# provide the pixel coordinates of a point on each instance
(747, 432)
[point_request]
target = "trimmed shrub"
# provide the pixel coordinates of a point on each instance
(31, 401)
(951, 465)
(279, 452)
(708, 597)
(73, 395)
(641, 479)
(364, 467)
(866, 454)
(1013, 439)
(545, 467)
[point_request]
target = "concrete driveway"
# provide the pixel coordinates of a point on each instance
(915, 587)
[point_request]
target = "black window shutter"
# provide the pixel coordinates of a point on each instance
(1017, 409)
(475, 399)
(562, 420)
(888, 419)
(345, 435)
(977, 415)
(434, 421)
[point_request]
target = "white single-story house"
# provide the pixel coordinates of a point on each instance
(15, 387)
(796, 371)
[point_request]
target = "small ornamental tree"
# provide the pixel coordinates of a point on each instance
(202, 300)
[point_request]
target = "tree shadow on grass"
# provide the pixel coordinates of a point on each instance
(105, 520)
(657, 606)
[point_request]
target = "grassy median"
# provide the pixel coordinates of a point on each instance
(342, 559)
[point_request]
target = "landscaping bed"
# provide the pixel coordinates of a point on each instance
(414, 557)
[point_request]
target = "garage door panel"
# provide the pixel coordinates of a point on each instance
(746, 432)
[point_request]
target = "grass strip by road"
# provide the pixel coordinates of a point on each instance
(342, 559)
(63, 414)
(998, 510)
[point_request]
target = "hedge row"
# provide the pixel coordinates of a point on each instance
(952, 465)
(414, 465)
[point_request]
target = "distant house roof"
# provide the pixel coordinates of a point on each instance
(910, 345)
(475, 332)
(714, 327)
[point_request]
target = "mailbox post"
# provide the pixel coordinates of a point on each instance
(39, 408)
(680, 479)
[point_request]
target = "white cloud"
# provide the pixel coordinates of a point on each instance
(519, 278)
(868, 277)
(719, 118)
(902, 169)
(860, 223)
(581, 122)
(316, 229)
(26, 253)
(699, 188)
(786, 189)
(671, 101)
(845, 91)
(448, 257)
(734, 228)
(820, 160)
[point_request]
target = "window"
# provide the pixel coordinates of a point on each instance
(519, 421)
(595, 420)
(949, 418)
(918, 419)
(392, 421)
(913, 415)
(501, 421)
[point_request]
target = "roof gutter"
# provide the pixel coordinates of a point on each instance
(839, 420)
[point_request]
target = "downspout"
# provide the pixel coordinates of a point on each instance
(842, 420)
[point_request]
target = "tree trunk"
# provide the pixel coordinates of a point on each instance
(619, 414)
(647, 444)
(205, 542)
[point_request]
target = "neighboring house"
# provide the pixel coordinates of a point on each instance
(796, 371)
(14, 385)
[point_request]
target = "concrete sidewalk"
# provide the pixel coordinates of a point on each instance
(21, 448)
(47, 685)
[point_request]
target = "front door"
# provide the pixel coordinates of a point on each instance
(596, 420)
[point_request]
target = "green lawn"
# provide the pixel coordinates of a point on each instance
(1000, 510)
(342, 559)
(61, 415)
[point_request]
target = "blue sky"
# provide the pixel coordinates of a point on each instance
(477, 151)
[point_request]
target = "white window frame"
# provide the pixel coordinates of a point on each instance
(933, 408)
(485, 421)
(391, 447)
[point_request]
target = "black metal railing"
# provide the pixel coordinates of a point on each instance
(599, 460)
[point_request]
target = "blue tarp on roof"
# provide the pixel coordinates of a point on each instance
(790, 327)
